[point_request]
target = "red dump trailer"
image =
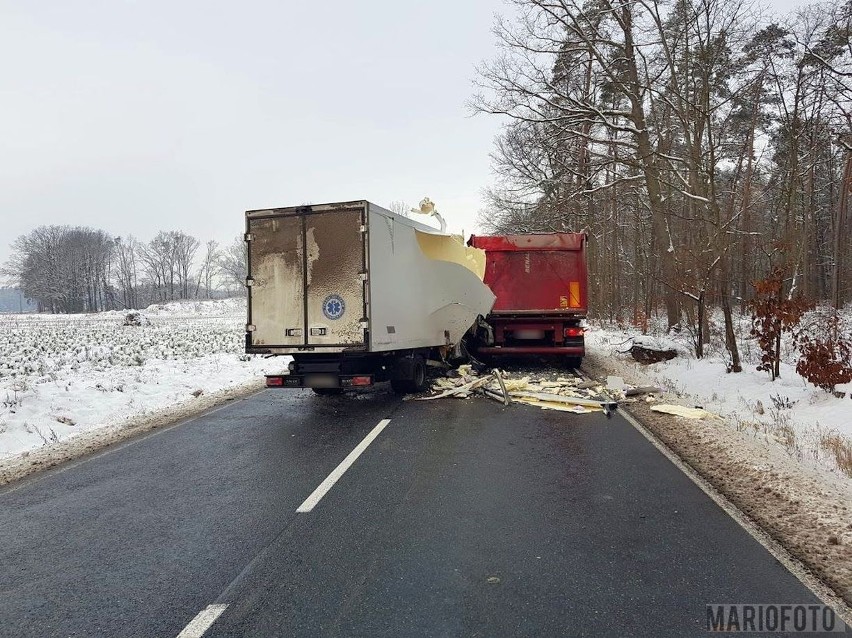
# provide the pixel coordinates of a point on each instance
(541, 284)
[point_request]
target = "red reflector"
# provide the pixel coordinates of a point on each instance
(362, 380)
(574, 332)
(274, 382)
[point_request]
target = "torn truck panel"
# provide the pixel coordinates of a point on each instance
(452, 248)
(427, 298)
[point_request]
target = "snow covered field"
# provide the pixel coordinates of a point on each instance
(63, 375)
(809, 422)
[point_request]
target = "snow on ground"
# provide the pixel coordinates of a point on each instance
(62, 375)
(789, 410)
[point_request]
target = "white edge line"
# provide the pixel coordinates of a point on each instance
(345, 464)
(790, 562)
(201, 623)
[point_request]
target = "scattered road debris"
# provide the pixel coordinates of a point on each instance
(506, 399)
(564, 394)
(615, 383)
(680, 410)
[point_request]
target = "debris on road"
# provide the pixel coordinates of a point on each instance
(564, 394)
(680, 410)
(506, 399)
(615, 383)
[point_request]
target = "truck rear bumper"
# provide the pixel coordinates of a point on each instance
(318, 380)
(571, 351)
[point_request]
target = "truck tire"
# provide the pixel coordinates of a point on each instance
(415, 381)
(573, 362)
(327, 391)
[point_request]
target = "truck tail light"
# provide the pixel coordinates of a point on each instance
(363, 380)
(574, 331)
(274, 382)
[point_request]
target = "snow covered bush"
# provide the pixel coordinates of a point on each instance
(826, 351)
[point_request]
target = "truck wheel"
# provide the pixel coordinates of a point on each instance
(416, 379)
(327, 391)
(573, 362)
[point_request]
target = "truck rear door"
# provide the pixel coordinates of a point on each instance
(335, 261)
(306, 277)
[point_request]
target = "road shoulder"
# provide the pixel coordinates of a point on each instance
(807, 512)
(89, 442)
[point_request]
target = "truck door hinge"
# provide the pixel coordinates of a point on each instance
(248, 237)
(362, 276)
(249, 282)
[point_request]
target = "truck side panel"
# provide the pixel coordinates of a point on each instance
(418, 300)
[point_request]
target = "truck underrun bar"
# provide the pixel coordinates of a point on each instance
(574, 351)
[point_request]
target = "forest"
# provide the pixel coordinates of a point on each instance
(704, 145)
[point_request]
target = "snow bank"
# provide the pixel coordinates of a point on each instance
(64, 375)
(789, 407)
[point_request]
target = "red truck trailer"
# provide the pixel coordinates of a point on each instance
(541, 284)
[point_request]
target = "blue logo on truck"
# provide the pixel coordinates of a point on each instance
(333, 307)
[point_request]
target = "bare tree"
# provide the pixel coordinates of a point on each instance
(63, 268)
(400, 208)
(233, 263)
(209, 268)
(185, 248)
(126, 273)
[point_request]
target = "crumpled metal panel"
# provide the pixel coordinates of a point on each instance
(420, 299)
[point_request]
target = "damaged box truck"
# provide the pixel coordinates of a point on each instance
(357, 294)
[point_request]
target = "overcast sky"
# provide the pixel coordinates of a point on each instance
(139, 116)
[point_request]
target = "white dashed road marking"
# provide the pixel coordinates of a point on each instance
(332, 478)
(201, 623)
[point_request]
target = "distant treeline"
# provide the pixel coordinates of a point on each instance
(78, 269)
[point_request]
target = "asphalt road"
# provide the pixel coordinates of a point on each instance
(462, 518)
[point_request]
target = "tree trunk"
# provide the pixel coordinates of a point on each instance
(730, 335)
(660, 227)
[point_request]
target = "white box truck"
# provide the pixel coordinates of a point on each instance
(357, 294)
